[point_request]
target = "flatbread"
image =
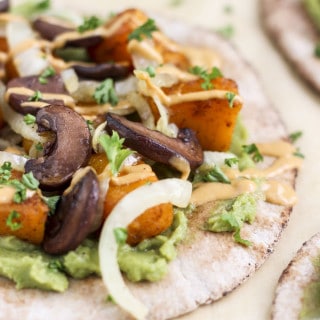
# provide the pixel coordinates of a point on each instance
(209, 265)
(299, 273)
(292, 31)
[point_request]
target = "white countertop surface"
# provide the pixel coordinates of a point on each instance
(300, 109)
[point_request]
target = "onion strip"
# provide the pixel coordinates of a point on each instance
(176, 191)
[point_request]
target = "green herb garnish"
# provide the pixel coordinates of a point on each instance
(29, 119)
(113, 147)
(211, 174)
(207, 77)
(39, 146)
(30, 181)
(298, 154)
(294, 136)
(90, 23)
(230, 162)
(151, 71)
(226, 32)
(176, 3)
(12, 220)
(36, 96)
(51, 203)
(254, 151)
(106, 93)
(230, 97)
(121, 235)
(145, 30)
(5, 172)
(31, 8)
(46, 73)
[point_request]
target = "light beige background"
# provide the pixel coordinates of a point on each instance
(300, 110)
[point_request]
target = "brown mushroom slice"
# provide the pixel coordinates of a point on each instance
(21, 91)
(77, 214)
(154, 144)
(70, 150)
(84, 41)
(102, 71)
(4, 5)
(49, 27)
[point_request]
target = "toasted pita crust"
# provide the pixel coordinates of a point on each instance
(300, 271)
(294, 34)
(208, 265)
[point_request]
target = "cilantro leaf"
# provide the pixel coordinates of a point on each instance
(254, 151)
(46, 73)
(230, 97)
(207, 77)
(36, 96)
(29, 119)
(227, 31)
(12, 220)
(144, 30)
(5, 172)
(230, 162)
(30, 8)
(211, 174)
(113, 148)
(294, 136)
(30, 181)
(121, 235)
(90, 23)
(106, 93)
(51, 203)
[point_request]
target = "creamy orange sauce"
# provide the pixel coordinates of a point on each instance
(67, 100)
(276, 192)
(132, 174)
(182, 165)
(147, 88)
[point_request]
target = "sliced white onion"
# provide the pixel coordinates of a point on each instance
(15, 120)
(176, 191)
(126, 86)
(28, 60)
(217, 158)
(70, 80)
(17, 161)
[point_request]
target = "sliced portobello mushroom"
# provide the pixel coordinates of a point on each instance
(49, 27)
(69, 152)
(102, 71)
(25, 103)
(77, 214)
(154, 144)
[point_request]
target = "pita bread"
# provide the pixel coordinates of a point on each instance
(209, 265)
(299, 273)
(294, 34)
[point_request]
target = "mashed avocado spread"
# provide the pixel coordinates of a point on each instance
(311, 296)
(29, 267)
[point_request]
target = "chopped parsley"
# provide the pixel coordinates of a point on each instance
(21, 190)
(113, 147)
(230, 162)
(29, 9)
(90, 23)
(230, 97)
(294, 136)
(51, 203)
(145, 30)
(227, 31)
(206, 76)
(5, 172)
(30, 181)
(36, 96)
(106, 93)
(151, 71)
(29, 119)
(298, 154)
(211, 174)
(121, 235)
(12, 220)
(46, 73)
(254, 151)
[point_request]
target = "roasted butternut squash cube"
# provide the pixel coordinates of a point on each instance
(151, 222)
